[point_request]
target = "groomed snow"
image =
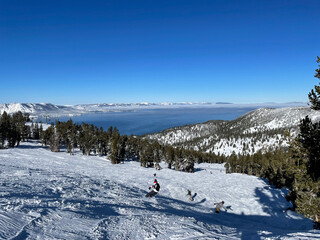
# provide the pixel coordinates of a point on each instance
(47, 195)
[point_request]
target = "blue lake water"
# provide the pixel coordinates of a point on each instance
(155, 120)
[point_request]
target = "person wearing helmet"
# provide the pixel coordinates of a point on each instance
(219, 206)
(155, 189)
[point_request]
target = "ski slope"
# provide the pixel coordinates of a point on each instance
(45, 195)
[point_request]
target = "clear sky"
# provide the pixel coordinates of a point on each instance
(72, 52)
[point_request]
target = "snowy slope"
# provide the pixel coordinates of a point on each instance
(47, 195)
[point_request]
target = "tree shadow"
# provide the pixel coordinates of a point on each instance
(198, 170)
(25, 145)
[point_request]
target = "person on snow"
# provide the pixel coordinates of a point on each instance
(316, 223)
(190, 196)
(155, 189)
(219, 206)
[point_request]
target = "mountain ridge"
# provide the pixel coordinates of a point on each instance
(40, 109)
(262, 129)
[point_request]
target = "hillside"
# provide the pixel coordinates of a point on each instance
(260, 129)
(46, 195)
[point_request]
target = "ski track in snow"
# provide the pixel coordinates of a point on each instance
(45, 195)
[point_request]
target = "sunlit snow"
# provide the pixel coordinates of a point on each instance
(46, 195)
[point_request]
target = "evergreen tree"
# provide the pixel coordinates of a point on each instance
(305, 191)
(147, 156)
(310, 139)
(178, 157)
(122, 148)
(115, 152)
(36, 132)
(310, 132)
(170, 156)
(314, 95)
(5, 127)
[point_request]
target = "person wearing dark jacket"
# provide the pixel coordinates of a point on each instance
(155, 189)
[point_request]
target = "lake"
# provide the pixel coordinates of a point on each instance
(155, 120)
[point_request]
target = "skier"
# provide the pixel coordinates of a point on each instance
(155, 189)
(190, 196)
(219, 206)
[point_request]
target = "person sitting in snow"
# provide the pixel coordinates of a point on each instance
(219, 206)
(155, 189)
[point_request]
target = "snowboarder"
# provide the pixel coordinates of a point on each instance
(190, 196)
(155, 189)
(219, 206)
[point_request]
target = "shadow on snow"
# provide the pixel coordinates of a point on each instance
(83, 190)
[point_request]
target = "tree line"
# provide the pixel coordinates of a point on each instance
(13, 129)
(91, 140)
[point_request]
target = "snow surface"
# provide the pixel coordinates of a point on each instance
(46, 195)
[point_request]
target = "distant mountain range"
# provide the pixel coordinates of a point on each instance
(44, 109)
(262, 129)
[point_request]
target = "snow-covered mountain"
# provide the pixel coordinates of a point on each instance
(47, 109)
(39, 109)
(259, 129)
(46, 195)
(44, 109)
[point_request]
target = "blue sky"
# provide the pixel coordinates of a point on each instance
(72, 52)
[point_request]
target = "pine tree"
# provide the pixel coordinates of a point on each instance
(310, 132)
(178, 158)
(310, 139)
(170, 156)
(305, 174)
(36, 132)
(122, 148)
(115, 152)
(5, 127)
(314, 95)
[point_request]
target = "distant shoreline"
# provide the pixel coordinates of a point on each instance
(38, 110)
